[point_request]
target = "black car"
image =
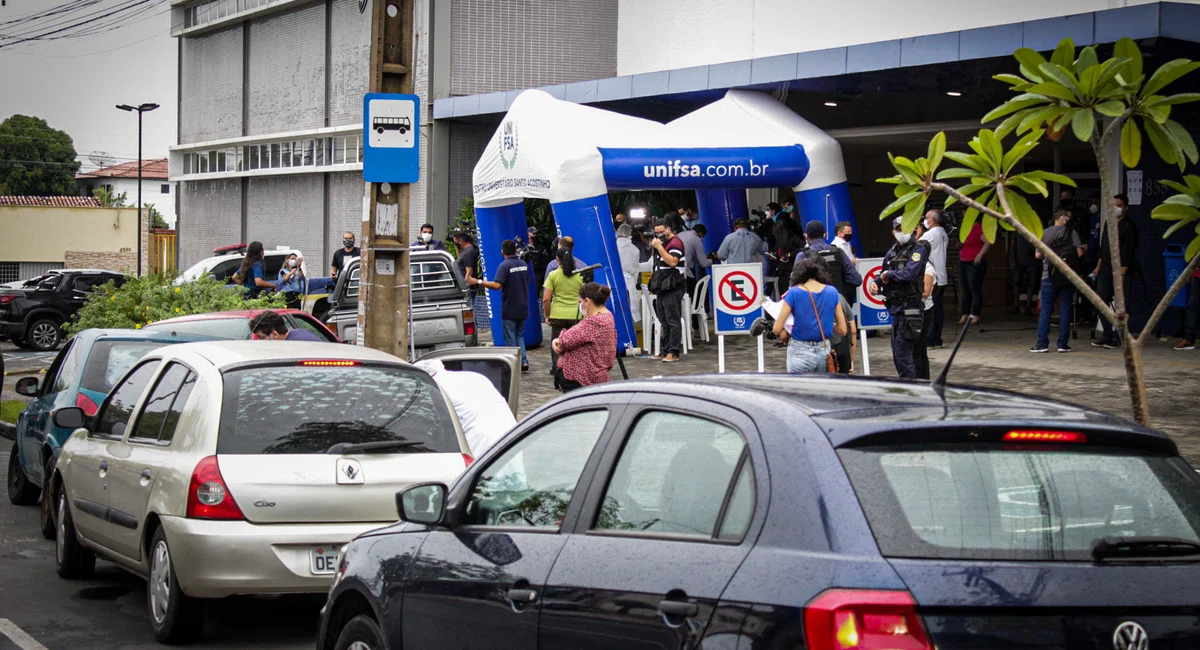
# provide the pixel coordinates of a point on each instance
(773, 511)
(33, 318)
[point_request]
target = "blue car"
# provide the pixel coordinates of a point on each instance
(81, 375)
(758, 512)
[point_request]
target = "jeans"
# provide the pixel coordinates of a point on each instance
(1192, 313)
(971, 276)
(939, 315)
(1066, 301)
(1104, 288)
(514, 335)
(557, 325)
(669, 309)
(806, 356)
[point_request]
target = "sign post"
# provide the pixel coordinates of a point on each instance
(737, 301)
(868, 309)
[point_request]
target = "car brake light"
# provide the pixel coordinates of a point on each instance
(1044, 436)
(7, 298)
(845, 619)
(469, 323)
(208, 496)
(469, 459)
(330, 363)
(84, 402)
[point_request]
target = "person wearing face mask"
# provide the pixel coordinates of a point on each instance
(902, 283)
(291, 280)
(935, 235)
(689, 215)
(425, 240)
(587, 350)
(343, 255)
(1127, 241)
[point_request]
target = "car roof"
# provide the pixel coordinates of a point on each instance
(221, 315)
(142, 335)
(83, 271)
(222, 354)
(848, 408)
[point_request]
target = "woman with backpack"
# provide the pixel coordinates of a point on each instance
(1056, 287)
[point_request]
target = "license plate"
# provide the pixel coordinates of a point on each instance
(323, 560)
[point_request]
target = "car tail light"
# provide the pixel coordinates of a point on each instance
(1044, 436)
(330, 363)
(846, 619)
(208, 496)
(469, 323)
(468, 458)
(7, 298)
(84, 402)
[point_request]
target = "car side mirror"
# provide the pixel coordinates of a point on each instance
(69, 417)
(422, 504)
(27, 386)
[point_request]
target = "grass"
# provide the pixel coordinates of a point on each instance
(10, 409)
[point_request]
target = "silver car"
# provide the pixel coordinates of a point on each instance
(242, 467)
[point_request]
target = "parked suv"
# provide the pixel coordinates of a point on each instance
(33, 318)
(441, 311)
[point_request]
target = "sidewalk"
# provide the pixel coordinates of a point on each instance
(994, 355)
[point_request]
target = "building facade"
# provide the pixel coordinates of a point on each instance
(86, 236)
(157, 190)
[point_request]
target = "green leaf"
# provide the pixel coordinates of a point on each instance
(1051, 177)
(1053, 89)
(1131, 144)
(904, 188)
(1083, 123)
(907, 169)
(1168, 73)
(1174, 212)
(1178, 187)
(1182, 199)
(1028, 58)
(974, 162)
(898, 203)
(937, 148)
(1127, 49)
(1035, 118)
(1175, 228)
(1065, 119)
(1010, 79)
(1020, 149)
(1184, 139)
(1192, 249)
(1159, 113)
(1181, 98)
(956, 172)
(1106, 74)
(922, 165)
(1061, 75)
(1064, 54)
(913, 213)
(1087, 59)
(1163, 143)
(989, 228)
(1087, 81)
(993, 150)
(1024, 213)
(1193, 182)
(1031, 74)
(1028, 185)
(968, 223)
(1011, 122)
(1110, 108)
(893, 180)
(1012, 106)
(966, 190)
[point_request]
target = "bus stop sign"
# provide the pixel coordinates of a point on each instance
(391, 138)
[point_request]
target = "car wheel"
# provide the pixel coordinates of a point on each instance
(361, 633)
(21, 492)
(48, 525)
(20, 342)
(174, 616)
(74, 562)
(44, 335)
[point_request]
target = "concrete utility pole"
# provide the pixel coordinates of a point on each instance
(384, 273)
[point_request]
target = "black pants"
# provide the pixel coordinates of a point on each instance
(557, 325)
(971, 275)
(668, 307)
(921, 347)
(563, 384)
(1027, 280)
(842, 351)
(939, 315)
(1104, 288)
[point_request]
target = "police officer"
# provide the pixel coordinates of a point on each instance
(901, 282)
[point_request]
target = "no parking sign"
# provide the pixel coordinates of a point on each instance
(737, 296)
(872, 315)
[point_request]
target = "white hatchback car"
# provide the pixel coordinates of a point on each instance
(242, 467)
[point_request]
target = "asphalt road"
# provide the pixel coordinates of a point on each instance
(108, 612)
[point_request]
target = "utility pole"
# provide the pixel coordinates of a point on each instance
(384, 273)
(141, 109)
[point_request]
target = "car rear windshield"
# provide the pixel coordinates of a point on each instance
(992, 503)
(234, 329)
(296, 409)
(109, 361)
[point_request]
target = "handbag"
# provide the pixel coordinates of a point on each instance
(830, 358)
(665, 280)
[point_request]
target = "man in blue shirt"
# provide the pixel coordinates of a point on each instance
(741, 246)
(512, 280)
(270, 326)
(568, 243)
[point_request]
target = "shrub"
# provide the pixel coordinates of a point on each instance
(151, 298)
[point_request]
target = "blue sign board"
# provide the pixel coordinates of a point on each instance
(737, 297)
(703, 168)
(871, 312)
(391, 138)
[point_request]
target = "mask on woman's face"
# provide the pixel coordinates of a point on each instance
(292, 263)
(902, 237)
(583, 306)
(1094, 209)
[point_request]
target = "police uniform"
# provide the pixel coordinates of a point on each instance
(904, 268)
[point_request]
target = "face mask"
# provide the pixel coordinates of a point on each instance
(583, 306)
(292, 263)
(902, 237)
(348, 243)
(426, 237)
(1094, 209)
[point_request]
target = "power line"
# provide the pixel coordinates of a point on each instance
(28, 36)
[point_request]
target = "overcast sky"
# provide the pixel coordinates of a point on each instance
(75, 84)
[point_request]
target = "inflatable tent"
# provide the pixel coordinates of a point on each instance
(573, 155)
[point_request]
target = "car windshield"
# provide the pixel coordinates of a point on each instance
(108, 361)
(297, 409)
(49, 282)
(992, 503)
(233, 329)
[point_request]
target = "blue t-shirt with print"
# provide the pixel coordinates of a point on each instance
(804, 324)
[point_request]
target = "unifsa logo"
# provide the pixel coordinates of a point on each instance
(680, 169)
(508, 144)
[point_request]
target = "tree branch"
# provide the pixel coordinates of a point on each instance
(1047, 253)
(1165, 303)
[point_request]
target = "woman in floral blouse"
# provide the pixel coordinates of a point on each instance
(587, 350)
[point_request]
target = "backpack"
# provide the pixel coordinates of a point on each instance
(1064, 248)
(834, 261)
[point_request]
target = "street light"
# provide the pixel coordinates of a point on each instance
(140, 108)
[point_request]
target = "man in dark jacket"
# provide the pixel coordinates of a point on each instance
(1127, 242)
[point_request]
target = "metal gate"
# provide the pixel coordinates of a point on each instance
(162, 251)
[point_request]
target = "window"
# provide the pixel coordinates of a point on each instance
(305, 324)
(109, 360)
(60, 376)
(165, 188)
(161, 412)
(115, 413)
(230, 329)
(89, 282)
(673, 477)
(352, 283)
(532, 483)
(984, 502)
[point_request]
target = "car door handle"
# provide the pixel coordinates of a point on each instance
(677, 608)
(523, 596)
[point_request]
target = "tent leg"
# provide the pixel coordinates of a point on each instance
(862, 337)
(721, 353)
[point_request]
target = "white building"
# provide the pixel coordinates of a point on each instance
(123, 178)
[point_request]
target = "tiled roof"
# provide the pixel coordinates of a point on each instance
(52, 201)
(151, 168)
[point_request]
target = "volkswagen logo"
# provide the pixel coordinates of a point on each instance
(1130, 636)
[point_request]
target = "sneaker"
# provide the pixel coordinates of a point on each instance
(1064, 348)
(1112, 345)
(1184, 344)
(1100, 343)
(1040, 349)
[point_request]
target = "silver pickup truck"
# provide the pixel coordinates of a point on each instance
(441, 310)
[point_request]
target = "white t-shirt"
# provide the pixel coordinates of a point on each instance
(482, 411)
(845, 247)
(938, 241)
(928, 300)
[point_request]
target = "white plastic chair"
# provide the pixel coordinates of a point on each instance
(698, 302)
(650, 325)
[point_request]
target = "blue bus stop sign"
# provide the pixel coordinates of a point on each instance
(391, 138)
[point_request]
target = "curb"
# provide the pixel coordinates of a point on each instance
(8, 431)
(18, 373)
